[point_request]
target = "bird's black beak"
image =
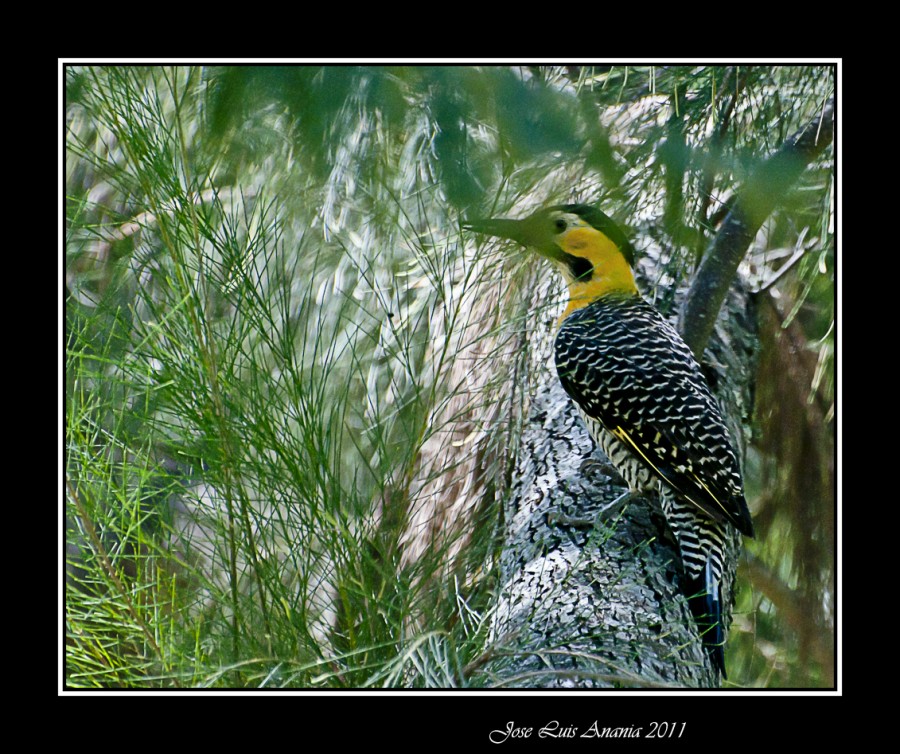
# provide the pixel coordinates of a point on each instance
(513, 230)
(534, 232)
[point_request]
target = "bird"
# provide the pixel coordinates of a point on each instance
(642, 396)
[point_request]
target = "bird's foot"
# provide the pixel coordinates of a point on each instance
(595, 467)
(607, 511)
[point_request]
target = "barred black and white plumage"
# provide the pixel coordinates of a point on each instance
(642, 396)
(632, 375)
(646, 403)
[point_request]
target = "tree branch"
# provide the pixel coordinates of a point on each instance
(762, 192)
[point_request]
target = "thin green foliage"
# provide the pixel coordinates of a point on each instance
(273, 371)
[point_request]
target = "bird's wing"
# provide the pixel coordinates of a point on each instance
(657, 403)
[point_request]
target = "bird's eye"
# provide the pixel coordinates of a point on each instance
(560, 224)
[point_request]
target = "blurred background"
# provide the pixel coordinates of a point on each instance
(293, 385)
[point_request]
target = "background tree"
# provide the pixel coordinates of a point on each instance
(295, 391)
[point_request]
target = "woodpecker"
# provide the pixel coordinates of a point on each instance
(642, 396)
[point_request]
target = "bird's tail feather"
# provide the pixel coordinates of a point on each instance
(705, 601)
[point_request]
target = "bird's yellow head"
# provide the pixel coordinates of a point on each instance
(590, 250)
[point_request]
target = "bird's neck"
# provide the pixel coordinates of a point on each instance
(618, 280)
